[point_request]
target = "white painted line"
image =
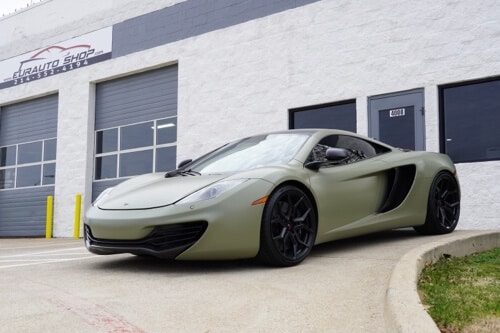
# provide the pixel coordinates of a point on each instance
(48, 262)
(39, 245)
(36, 259)
(82, 249)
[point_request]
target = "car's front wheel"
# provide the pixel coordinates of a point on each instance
(289, 226)
(443, 207)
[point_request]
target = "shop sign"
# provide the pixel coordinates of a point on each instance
(62, 57)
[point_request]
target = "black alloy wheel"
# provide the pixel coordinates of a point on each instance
(443, 207)
(288, 228)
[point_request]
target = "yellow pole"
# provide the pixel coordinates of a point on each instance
(78, 208)
(48, 217)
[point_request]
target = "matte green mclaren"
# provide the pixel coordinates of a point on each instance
(274, 196)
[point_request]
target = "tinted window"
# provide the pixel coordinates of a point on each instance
(21, 164)
(49, 150)
(470, 116)
(166, 131)
(136, 136)
(7, 156)
(49, 174)
(107, 141)
(28, 176)
(105, 167)
(7, 178)
(30, 152)
(358, 149)
(136, 149)
(136, 163)
(339, 116)
(165, 159)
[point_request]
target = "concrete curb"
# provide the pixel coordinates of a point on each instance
(404, 311)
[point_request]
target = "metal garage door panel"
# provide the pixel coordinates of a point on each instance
(22, 211)
(28, 121)
(137, 98)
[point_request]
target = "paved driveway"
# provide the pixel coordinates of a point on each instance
(57, 286)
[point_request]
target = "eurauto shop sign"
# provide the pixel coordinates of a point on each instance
(62, 57)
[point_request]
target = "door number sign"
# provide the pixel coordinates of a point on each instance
(397, 112)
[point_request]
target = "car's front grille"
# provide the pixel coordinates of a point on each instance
(175, 235)
(165, 241)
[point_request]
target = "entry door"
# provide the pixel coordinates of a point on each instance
(398, 119)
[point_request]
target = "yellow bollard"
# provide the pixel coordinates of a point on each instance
(48, 217)
(78, 208)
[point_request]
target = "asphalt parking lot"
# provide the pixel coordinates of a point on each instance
(55, 285)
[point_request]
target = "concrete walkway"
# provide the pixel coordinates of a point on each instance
(363, 284)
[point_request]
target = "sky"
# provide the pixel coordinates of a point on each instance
(9, 6)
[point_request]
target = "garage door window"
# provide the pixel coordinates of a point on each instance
(107, 141)
(49, 172)
(49, 150)
(29, 152)
(7, 156)
(135, 149)
(28, 164)
(137, 136)
(469, 121)
(28, 176)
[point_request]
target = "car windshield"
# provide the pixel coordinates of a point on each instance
(250, 153)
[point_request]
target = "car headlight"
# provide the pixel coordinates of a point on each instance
(211, 191)
(102, 196)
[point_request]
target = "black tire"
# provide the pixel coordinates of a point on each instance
(443, 207)
(288, 228)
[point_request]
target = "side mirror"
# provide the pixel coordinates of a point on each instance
(332, 155)
(336, 154)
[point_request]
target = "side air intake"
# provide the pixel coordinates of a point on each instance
(400, 182)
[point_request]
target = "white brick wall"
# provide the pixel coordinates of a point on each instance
(53, 21)
(243, 79)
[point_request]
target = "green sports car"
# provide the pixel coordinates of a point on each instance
(274, 196)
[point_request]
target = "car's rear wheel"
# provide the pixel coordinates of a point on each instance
(288, 229)
(443, 207)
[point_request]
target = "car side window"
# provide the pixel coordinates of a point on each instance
(358, 149)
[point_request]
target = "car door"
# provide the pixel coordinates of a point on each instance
(350, 193)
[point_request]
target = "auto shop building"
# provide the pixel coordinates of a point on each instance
(93, 92)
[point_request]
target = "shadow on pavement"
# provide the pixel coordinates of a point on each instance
(360, 242)
(142, 264)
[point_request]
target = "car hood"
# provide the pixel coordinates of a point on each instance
(154, 190)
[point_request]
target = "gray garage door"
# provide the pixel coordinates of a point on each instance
(136, 126)
(27, 165)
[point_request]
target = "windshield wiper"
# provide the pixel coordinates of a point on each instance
(178, 172)
(189, 173)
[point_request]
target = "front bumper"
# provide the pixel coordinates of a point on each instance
(166, 241)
